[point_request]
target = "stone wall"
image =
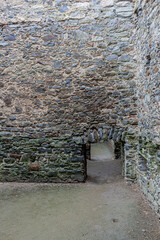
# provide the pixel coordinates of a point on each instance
(53, 159)
(67, 69)
(148, 86)
(70, 75)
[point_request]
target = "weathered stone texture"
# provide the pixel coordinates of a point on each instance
(147, 46)
(148, 86)
(67, 69)
(41, 159)
(70, 74)
(67, 65)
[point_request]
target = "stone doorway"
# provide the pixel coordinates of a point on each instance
(102, 165)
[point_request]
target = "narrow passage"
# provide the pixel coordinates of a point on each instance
(102, 167)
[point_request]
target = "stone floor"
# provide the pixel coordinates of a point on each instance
(90, 211)
(105, 171)
(104, 208)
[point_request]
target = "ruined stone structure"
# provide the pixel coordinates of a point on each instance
(147, 37)
(73, 73)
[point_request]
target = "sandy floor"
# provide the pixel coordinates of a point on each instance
(105, 171)
(114, 211)
(104, 208)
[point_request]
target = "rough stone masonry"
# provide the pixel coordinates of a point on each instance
(77, 72)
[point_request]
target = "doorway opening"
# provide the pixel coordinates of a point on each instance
(102, 164)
